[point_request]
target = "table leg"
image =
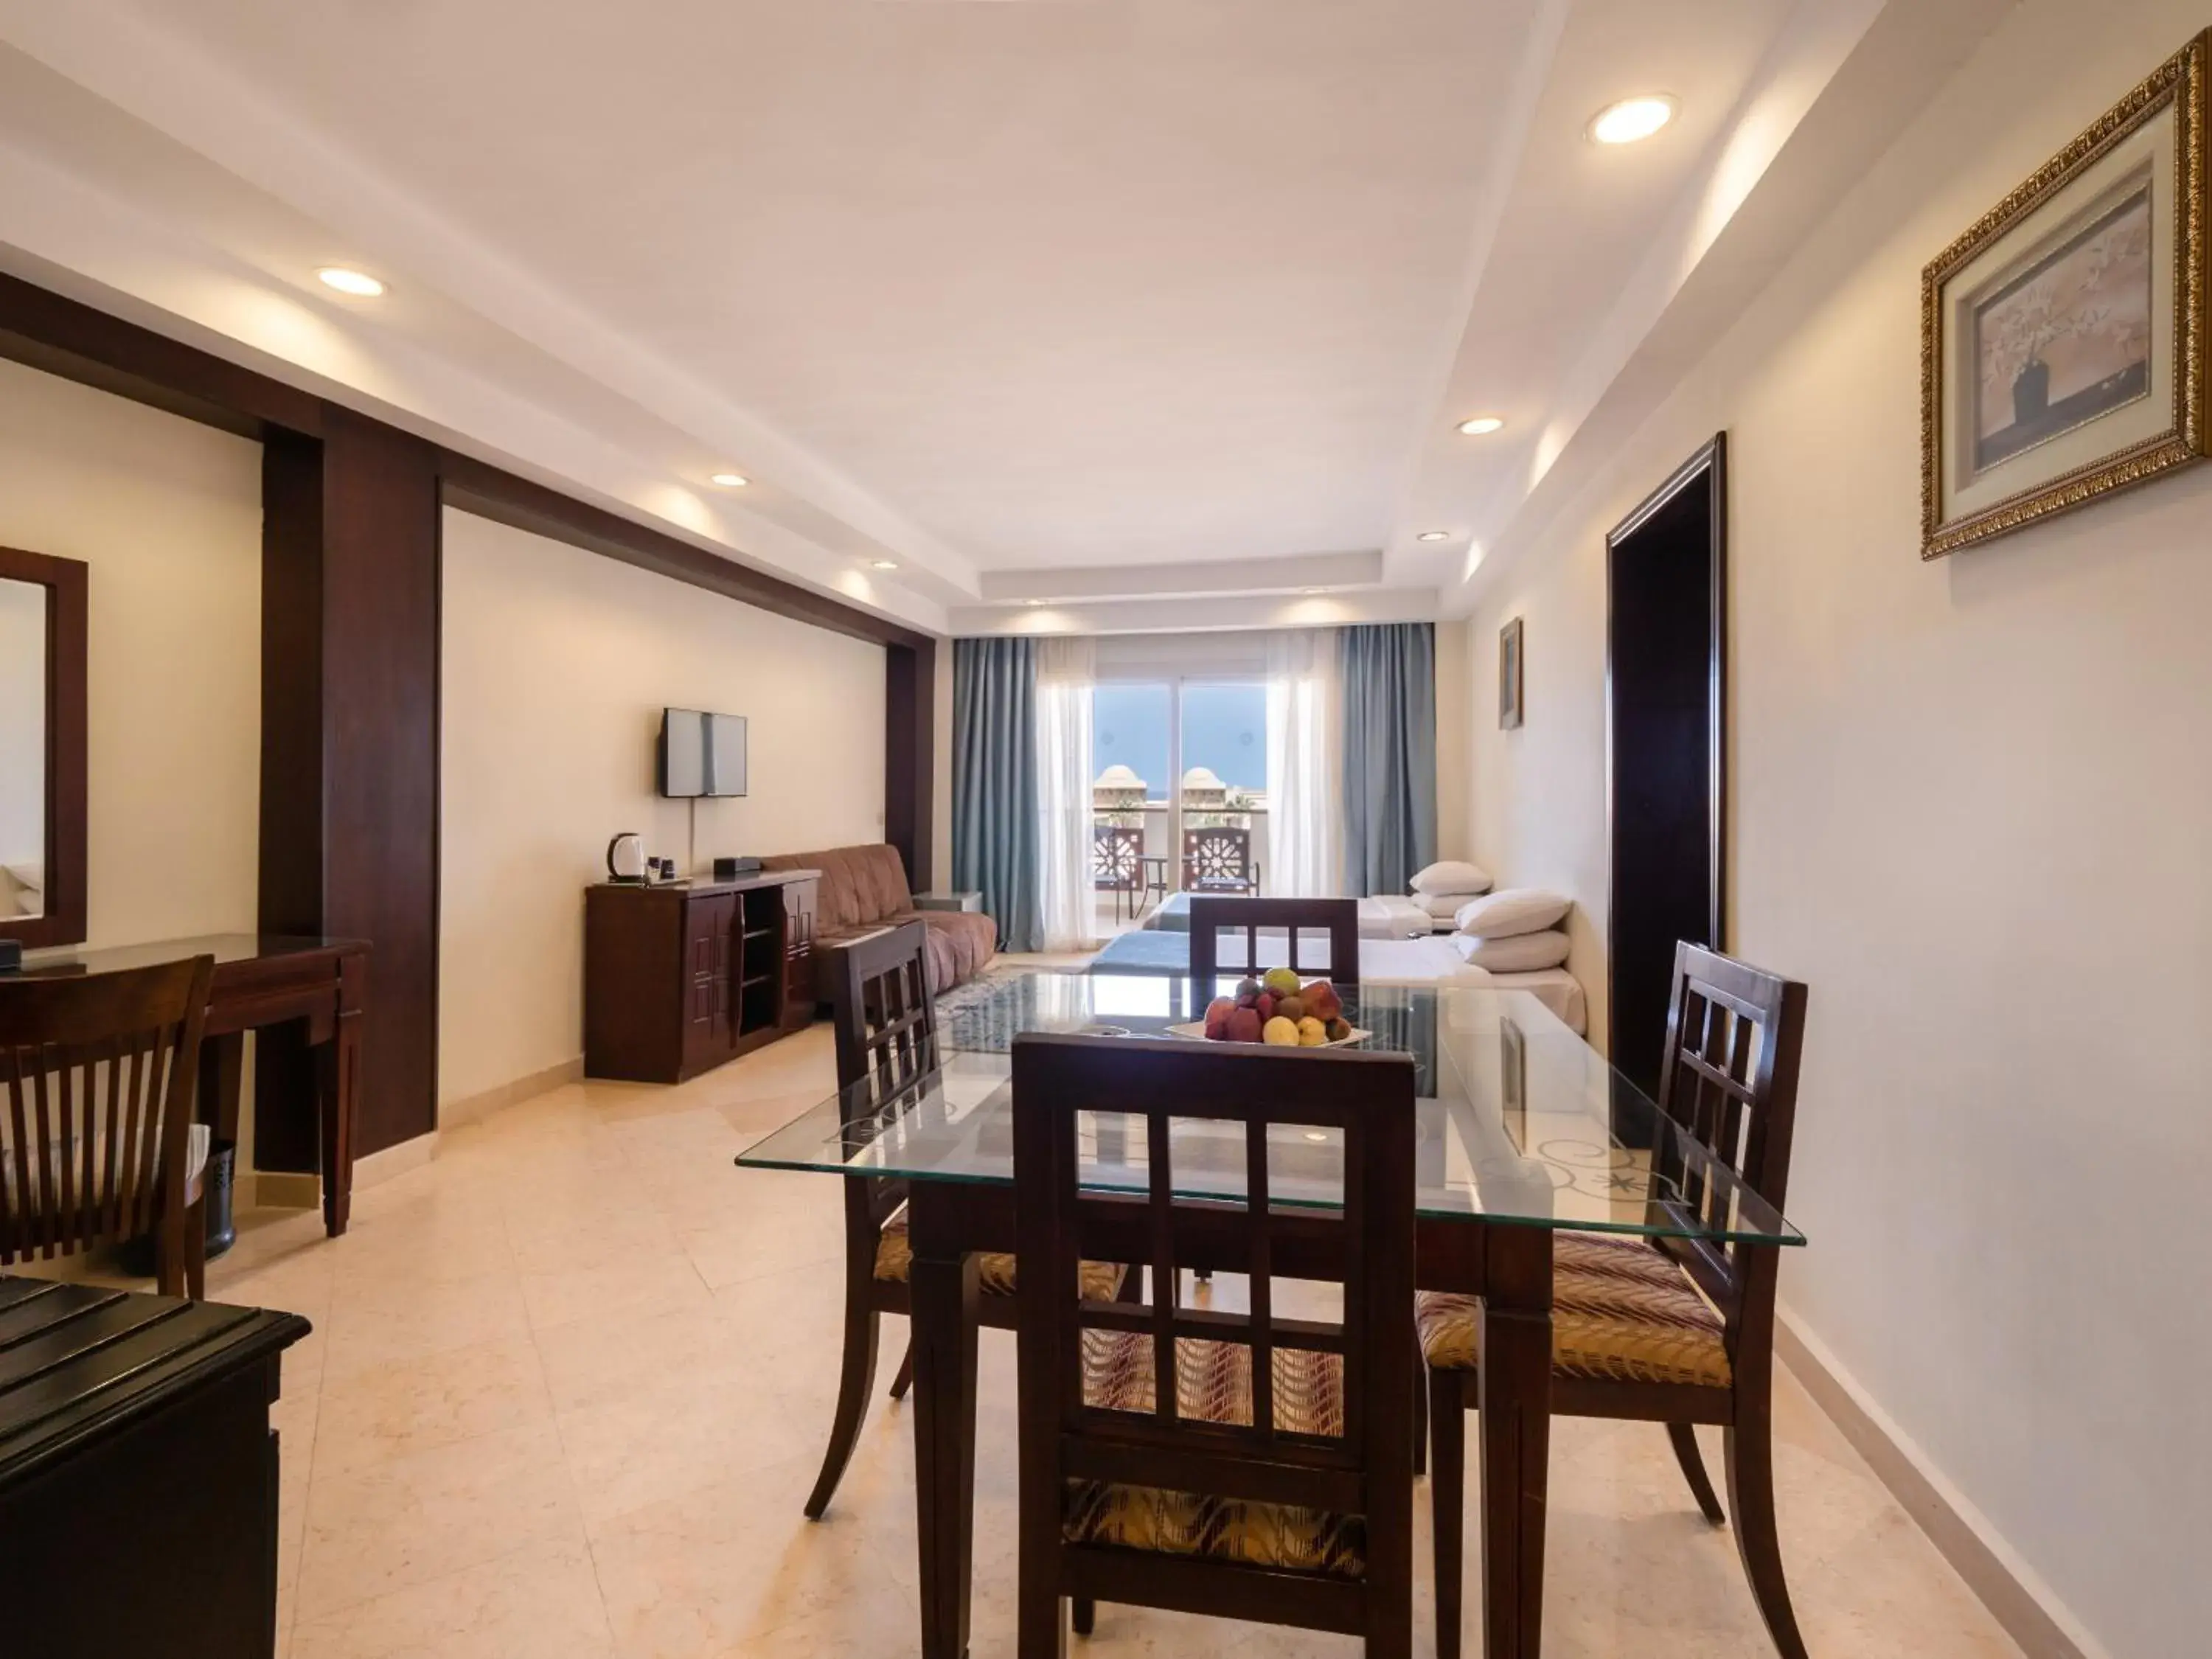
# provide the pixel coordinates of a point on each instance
(1514, 1420)
(337, 1088)
(941, 1288)
(222, 1085)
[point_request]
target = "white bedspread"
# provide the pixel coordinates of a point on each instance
(1433, 962)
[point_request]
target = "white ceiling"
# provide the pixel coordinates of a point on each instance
(1115, 299)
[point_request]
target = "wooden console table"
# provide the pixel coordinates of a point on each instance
(137, 1474)
(682, 978)
(262, 981)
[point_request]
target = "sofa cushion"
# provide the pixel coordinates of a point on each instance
(861, 886)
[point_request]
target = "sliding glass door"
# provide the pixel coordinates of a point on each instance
(1179, 799)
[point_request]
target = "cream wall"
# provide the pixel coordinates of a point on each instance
(167, 513)
(1973, 802)
(556, 664)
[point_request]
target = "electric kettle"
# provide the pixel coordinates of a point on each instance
(625, 857)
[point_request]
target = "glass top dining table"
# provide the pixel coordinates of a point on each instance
(1519, 1121)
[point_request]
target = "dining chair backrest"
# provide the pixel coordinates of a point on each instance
(1318, 1114)
(1736, 1034)
(1304, 922)
(97, 1082)
(885, 1028)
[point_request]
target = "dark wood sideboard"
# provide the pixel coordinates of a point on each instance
(680, 979)
(137, 1474)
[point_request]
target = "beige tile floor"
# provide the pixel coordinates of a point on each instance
(569, 1382)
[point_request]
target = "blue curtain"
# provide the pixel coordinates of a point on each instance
(1390, 754)
(995, 804)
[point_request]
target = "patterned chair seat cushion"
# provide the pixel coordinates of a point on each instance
(1214, 1384)
(1621, 1312)
(1101, 1281)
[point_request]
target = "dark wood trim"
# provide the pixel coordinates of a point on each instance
(486, 490)
(61, 919)
(350, 649)
(47, 331)
(1706, 468)
(910, 757)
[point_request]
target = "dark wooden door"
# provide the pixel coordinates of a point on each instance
(1666, 659)
(709, 952)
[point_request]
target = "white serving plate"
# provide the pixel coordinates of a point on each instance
(1195, 1032)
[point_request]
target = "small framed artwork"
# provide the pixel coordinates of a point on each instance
(2063, 347)
(1509, 676)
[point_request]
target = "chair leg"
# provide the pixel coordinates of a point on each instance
(1684, 1439)
(1042, 1632)
(856, 1376)
(196, 1251)
(1750, 1460)
(1086, 1615)
(1447, 1498)
(169, 1253)
(905, 1380)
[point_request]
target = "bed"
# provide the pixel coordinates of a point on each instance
(1428, 961)
(1393, 916)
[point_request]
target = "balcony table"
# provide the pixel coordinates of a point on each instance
(1522, 1128)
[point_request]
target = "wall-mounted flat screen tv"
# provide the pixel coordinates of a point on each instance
(702, 753)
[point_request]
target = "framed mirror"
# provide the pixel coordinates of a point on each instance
(42, 748)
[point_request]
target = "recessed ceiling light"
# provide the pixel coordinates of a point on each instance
(1632, 119)
(730, 480)
(359, 284)
(883, 564)
(1313, 590)
(1033, 604)
(1481, 425)
(1434, 536)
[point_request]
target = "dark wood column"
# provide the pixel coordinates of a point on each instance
(349, 749)
(909, 755)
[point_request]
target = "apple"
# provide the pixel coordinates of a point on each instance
(1322, 1000)
(1280, 1033)
(1216, 1016)
(1243, 1026)
(1281, 980)
(1266, 1005)
(1312, 1034)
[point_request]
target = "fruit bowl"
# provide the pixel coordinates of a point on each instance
(1195, 1032)
(1277, 1010)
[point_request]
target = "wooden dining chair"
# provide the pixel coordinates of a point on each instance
(885, 1026)
(1678, 1331)
(1246, 1465)
(97, 1138)
(1302, 919)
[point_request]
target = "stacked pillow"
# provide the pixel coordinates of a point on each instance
(1517, 931)
(1442, 888)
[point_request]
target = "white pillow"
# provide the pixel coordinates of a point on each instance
(1452, 876)
(1516, 953)
(1512, 910)
(1441, 906)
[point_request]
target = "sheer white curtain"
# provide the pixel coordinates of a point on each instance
(1066, 669)
(1305, 727)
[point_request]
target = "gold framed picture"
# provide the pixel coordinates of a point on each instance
(1509, 676)
(2062, 338)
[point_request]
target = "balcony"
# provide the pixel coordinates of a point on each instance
(1111, 912)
